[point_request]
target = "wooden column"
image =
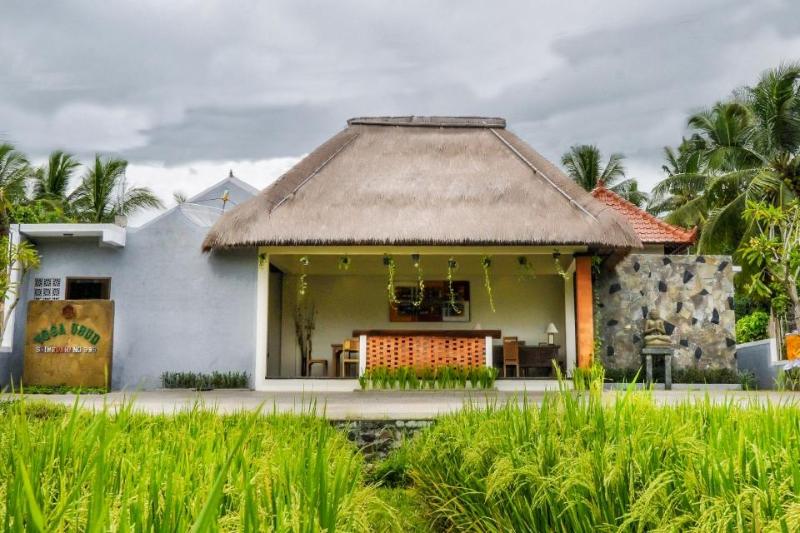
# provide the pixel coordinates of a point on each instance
(584, 310)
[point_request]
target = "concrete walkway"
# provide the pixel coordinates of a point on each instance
(372, 405)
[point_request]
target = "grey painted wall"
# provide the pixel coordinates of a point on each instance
(694, 296)
(177, 309)
(760, 358)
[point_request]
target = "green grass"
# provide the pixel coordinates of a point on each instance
(59, 389)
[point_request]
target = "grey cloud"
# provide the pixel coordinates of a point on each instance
(255, 80)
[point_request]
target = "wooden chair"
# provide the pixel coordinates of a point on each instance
(510, 354)
(311, 362)
(349, 347)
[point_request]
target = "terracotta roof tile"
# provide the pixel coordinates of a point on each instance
(649, 229)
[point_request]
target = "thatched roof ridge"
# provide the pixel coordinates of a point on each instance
(432, 122)
(423, 184)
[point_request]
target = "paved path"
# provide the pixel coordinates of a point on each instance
(371, 404)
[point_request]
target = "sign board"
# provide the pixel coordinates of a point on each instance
(69, 342)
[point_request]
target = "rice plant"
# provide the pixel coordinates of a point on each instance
(69, 470)
(577, 463)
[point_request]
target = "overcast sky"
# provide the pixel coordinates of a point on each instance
(187, 90)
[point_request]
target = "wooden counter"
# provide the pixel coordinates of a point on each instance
(397, 348)
(460, 333)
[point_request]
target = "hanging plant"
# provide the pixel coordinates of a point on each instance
(486, 263)
(391, 269)
(525, 269)
(262, 259)
(452, 265)
(344, 263)
(420, 282)
(302, 283)
(559, 269)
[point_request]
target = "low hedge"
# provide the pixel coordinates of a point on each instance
(683, 375)
(443, 377)
(214, 380)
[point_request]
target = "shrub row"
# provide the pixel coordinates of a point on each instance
(683, 375)
(215, 380)
(443, 377)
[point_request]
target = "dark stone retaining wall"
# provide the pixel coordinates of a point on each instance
(376, 438)
(693, 294)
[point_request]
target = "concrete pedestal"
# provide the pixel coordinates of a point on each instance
(666, 353)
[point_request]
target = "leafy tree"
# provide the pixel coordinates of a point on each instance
(583, 163)
(774, 250)
(14, 170)
(16, 261)
(103, 193)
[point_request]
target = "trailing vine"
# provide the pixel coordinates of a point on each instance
(525, 269)
(344, 263)
(559, 269)
(452, 265)
(486, 263)
(420, 282)
(391, 270)
(302, 283)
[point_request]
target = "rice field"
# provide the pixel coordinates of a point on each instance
(67, 470)
(578, 464)
(574, 464)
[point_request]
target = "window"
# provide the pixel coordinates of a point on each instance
(47, 288)
(88, 288)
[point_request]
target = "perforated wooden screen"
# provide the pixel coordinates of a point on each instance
(421, 351)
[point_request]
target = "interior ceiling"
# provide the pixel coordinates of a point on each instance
(433, 266)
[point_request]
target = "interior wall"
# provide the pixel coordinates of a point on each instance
(524, 308)
(274, 327)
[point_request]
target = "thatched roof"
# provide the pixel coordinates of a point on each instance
(423, 181)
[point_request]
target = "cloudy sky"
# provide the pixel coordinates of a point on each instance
(187, 90)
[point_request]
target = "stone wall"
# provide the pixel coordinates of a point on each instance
(694, 296)
(377, 438)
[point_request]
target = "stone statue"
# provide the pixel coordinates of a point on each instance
(655, 335)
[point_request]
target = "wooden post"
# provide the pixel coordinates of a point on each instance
(584, 310)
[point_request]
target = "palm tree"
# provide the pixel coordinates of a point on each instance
(583, 165)
(103, 193)
(747, 149)
(51, 181)
(14, 171)
(684, 182)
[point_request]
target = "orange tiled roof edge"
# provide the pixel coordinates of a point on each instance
(650, 229)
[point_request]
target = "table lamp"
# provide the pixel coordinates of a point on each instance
(551, 333)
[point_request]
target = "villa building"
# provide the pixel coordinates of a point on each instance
(399, 241)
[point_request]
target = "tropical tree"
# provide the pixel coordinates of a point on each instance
(684, 182)
(14, 171)
(51, 181)
(774, 251)
(16, 261)
(743, 149)
(583, 163)
(104, 193)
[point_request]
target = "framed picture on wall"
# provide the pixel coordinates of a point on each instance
(435, 305)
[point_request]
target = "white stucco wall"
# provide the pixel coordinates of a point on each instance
(348, 302)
